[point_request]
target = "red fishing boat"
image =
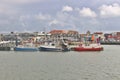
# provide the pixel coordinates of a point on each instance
(88, 48)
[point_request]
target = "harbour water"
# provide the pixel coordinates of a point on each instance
(104, 65)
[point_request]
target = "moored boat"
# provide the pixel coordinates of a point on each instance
(25, 46)
(25, 49)
(54, 47)
(88, 48)
(49, 48)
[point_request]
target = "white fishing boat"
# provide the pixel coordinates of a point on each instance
(54, 46)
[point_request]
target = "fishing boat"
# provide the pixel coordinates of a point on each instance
(49, 48)
(25, 49)
(54, 47)
(91, 43)
(91, 47)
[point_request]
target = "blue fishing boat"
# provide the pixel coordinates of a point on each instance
(28, 46)
(25, 49)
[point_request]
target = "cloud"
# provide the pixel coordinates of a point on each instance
(7, 10)
(53, 22)
(67, 8)
(41, 16)
(110, 10)
(19, 1)
(87, 12)
(63, 21)
(34, 15)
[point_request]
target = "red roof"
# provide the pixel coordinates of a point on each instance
(63, 32)
(57, 31)
(98, 33)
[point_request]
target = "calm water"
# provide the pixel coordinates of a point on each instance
(72, 65)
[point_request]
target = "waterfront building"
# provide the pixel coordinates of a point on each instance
(66, 34)
(99, 35)
(116, 36)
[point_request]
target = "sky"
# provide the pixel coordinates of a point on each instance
(46, 15)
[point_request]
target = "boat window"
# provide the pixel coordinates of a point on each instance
(53, 44)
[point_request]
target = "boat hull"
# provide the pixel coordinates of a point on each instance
(25, 49)
(49, 49)
(88, 49)
(52, 49)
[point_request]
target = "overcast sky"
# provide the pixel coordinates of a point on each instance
(46, 15)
